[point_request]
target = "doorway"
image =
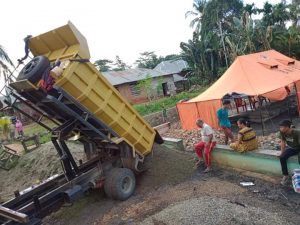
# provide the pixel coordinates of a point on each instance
(165, 89)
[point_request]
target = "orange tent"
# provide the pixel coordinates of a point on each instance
(259, 74)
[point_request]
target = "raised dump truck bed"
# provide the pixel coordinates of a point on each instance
(86, 107)
(89, 88)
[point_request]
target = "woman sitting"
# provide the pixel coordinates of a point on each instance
(247, 140)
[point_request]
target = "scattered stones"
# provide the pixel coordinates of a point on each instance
(211, 210)
(190, 138)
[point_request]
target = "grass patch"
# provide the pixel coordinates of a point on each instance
(35, 128)
(168, 102)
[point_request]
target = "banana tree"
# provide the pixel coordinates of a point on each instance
(240, 41)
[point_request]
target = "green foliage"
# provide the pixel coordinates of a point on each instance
(103, 65)
(168, 102)
(120, 65)
(150, 60)
(146, 85)
(5, 62)
(224, 30)
(159, 87)
(147, 60)
(37, 129)
(4, 58)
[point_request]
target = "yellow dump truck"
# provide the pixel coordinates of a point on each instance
(83, 82)
(61, 84)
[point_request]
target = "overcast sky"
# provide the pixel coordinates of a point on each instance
(112, 27)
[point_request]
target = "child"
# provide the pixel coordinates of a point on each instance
(224, 122)
(19, 127)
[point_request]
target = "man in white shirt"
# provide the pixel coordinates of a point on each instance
(207, 144)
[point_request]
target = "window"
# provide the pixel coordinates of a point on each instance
(135, 90)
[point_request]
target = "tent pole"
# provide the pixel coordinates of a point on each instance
(298, 100)
(288, 106)
(261, 119)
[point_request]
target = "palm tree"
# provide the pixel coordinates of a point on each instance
(197, 13)
(4, 60)
(296, 3)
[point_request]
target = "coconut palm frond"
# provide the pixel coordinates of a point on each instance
(4, 56)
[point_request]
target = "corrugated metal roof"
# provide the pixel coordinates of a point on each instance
(134, 75)
(178, 78)
(171, 66)
(130, 75)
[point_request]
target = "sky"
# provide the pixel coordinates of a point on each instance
(111, 27)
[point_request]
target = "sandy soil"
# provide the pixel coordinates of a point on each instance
(33, 168)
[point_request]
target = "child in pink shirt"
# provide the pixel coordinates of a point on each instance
(19, 127)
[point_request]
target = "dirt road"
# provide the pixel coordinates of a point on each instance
(173, 192)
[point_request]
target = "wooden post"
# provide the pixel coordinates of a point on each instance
(298, 100)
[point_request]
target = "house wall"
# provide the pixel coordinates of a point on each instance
(126, 90)
(166, 79)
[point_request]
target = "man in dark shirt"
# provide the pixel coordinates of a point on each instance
(290, 145)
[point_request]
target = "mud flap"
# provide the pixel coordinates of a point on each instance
(128, 161)
(158, 139)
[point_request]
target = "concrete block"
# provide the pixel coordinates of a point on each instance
(163, 128)
(260, 161)
(173, 143)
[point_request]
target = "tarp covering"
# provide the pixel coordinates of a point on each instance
(260, 74)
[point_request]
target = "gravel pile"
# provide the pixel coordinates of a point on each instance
(209, 210)
(190, 138)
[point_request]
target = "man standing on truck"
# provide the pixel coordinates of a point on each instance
(290, 145)
(224, 121)
(207, 144)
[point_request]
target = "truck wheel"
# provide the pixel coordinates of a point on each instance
(34, 70)
(119, 184)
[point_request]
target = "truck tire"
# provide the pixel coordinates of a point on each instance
(34, 70)
(119, 184)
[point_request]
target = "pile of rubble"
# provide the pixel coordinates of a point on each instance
(190, 138)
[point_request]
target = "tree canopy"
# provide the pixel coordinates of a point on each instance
(150, 59)
(224, 29)
(103, 65)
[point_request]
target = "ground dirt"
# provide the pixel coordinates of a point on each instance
(34, 167)
(172, 191)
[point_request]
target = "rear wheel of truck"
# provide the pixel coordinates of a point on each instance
(119, 183)
(34, 70)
